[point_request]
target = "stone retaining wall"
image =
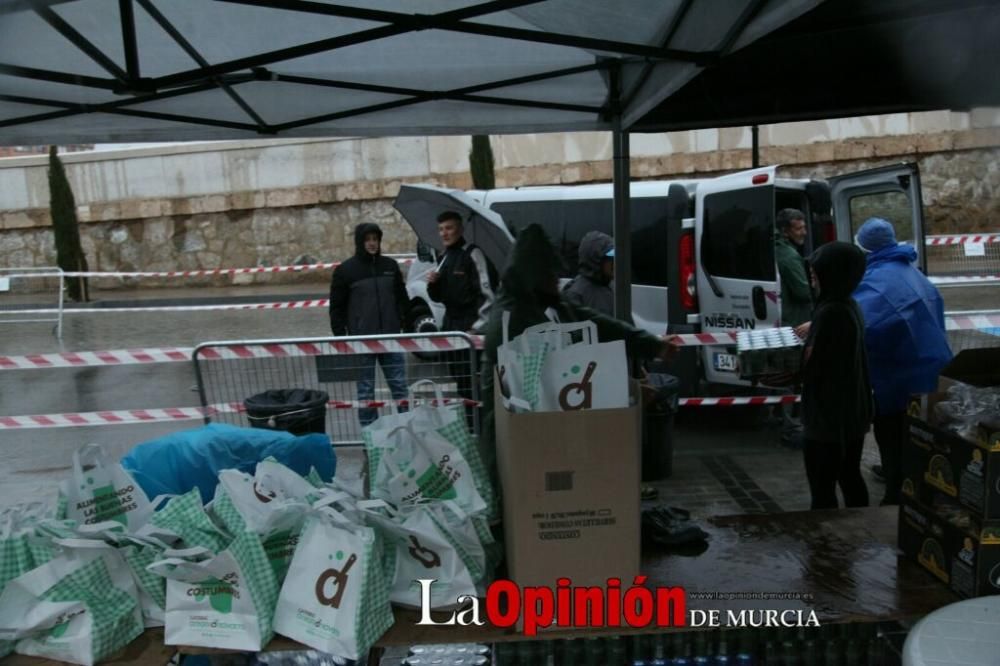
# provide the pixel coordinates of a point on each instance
(960, 173)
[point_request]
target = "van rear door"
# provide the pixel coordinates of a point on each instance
(892, 193)
(737, 277)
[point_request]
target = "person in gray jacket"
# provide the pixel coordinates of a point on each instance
(368, 297)
(591, 288)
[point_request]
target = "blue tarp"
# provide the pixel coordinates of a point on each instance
(178, 462)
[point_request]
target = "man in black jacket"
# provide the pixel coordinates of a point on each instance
(368, 297)
(463, 283)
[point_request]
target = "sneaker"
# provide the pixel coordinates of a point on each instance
(649, 493)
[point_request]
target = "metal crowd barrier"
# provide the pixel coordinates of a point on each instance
(963, 259)
(229, 372)
(14, 300)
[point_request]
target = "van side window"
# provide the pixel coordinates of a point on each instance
(738, 234)
(566, 221)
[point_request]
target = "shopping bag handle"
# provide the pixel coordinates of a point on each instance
(78, 456)
(438, 394)
(69, 542)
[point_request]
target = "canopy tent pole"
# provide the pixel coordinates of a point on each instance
(623, 237)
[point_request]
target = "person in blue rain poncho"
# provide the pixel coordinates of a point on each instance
(904, 336)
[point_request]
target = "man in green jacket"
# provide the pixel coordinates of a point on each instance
(796, 297)
(529, 291)
(796, 300)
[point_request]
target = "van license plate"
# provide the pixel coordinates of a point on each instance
(726, 362)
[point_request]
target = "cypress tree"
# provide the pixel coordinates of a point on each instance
(481, 163)
(65, 228)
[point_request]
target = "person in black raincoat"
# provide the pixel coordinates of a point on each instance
(529, 291)
(592, 286)
(837, 403)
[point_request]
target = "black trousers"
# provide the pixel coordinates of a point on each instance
(890, 433)
(828, 465)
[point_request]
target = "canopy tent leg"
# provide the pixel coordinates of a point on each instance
(623, 237)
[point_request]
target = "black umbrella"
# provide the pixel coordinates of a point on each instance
(420, 206)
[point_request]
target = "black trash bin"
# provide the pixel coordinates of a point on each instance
(298, 411)
(658, 428)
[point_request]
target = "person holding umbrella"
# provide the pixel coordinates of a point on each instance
(464, 283)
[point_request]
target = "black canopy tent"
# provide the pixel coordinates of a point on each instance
(81, 71)
(848, 58)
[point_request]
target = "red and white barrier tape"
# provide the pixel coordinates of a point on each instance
(338, 347)
(316, 303)
(135, 416)
(738, 401)
(962, 280)
(209, 272)
(971, 321)
(175, 354)
(96, 358)
(953, 322)
(961, 239)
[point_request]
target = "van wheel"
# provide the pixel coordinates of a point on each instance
(422, 321)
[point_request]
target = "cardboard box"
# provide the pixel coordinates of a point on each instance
(938, 461)
(954, 546)
(570, 485)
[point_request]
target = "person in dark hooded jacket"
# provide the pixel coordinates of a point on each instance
(836, 394)
(592, 286)
(905, 337)
(529, 291)
(368, 297)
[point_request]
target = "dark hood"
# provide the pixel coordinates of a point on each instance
(533, 261)
(360, 232)
(591, 253)
(839, 268)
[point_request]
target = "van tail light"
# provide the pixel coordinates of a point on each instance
(686, 273)
(829, 231)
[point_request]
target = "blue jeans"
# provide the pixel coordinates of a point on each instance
(394, 369)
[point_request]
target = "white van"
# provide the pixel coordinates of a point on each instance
(703, 250)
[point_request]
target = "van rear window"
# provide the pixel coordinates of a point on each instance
(566, 221)
(738, 234)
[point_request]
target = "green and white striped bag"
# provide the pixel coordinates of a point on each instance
(185, 516)
(18, 548)
(268, 505)
(434, 540)
(335, 598)
(139, 552)
(221, 600)
(80, 607)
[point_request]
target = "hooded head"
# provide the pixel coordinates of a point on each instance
(839, 268)
(533, 270)
(360, 232)
(875, 234)
(595, 249)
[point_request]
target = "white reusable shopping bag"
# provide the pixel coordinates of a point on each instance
(104, 491)
(420, 466)
(335, 598)
(584, 376)
(222, 600)
(435, 541)
(80, 607)
(525, 384)
(446, 420)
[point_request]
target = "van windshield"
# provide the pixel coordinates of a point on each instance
(738, 234)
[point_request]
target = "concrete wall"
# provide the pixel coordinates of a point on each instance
(235, 204)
